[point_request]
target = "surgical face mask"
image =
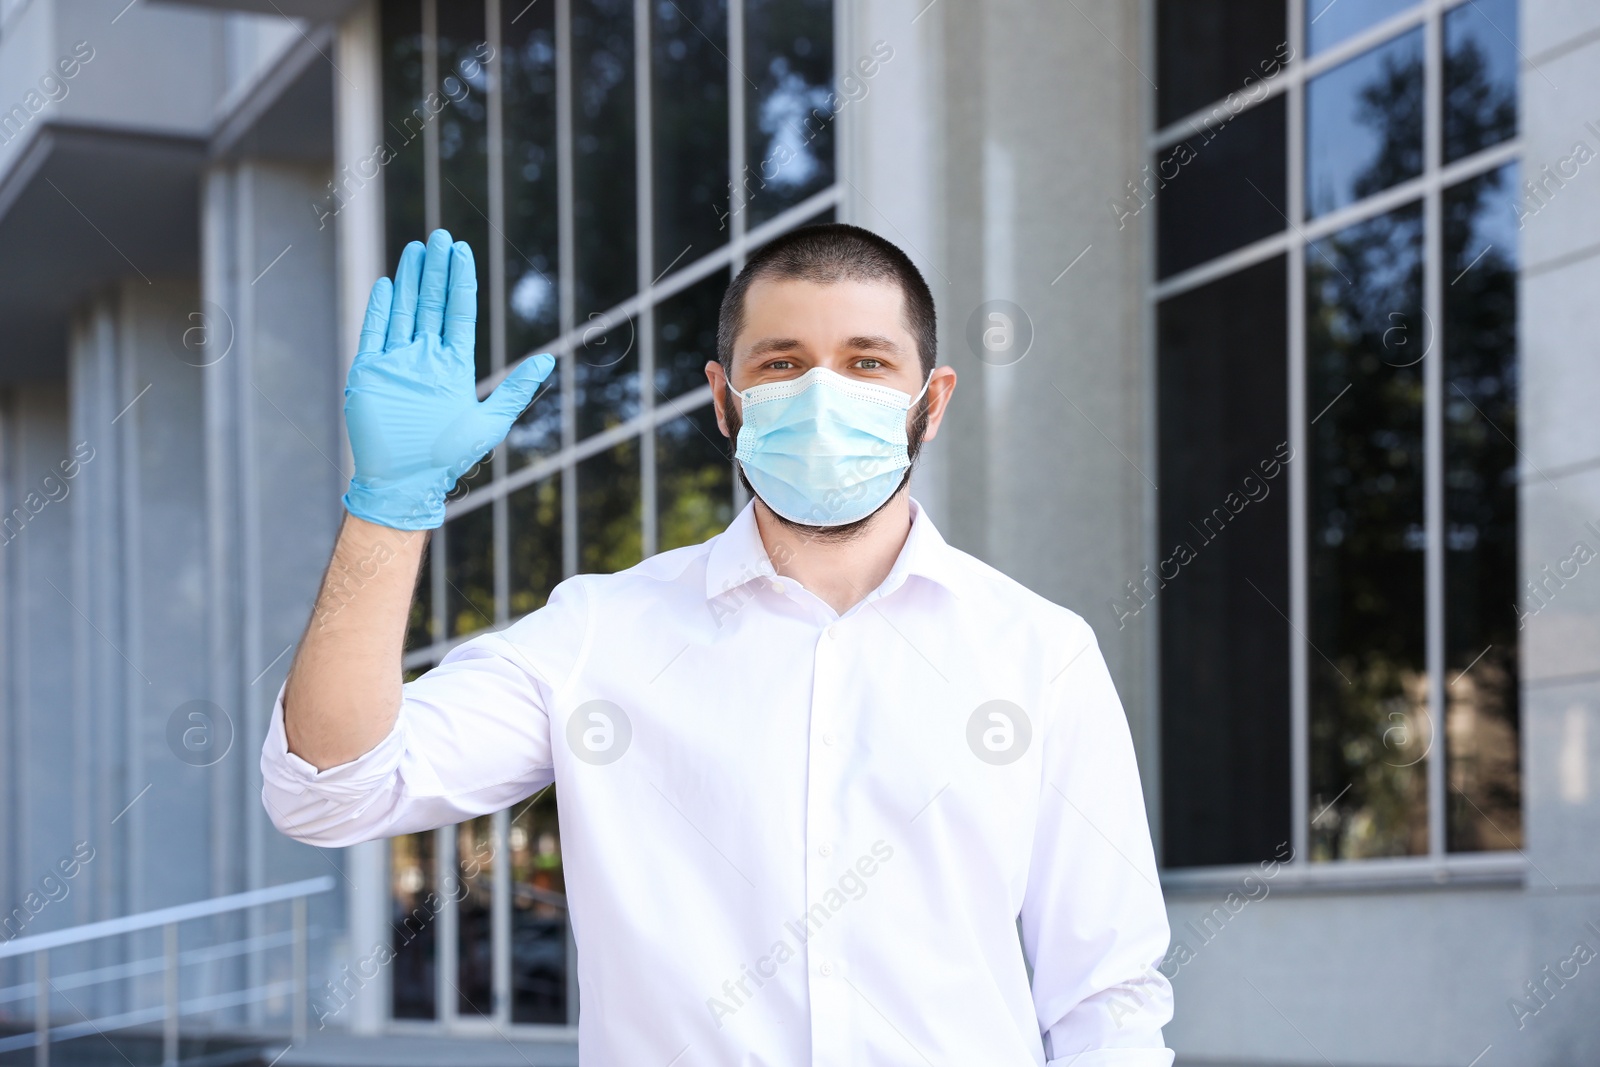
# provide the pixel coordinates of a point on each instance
(823, 449)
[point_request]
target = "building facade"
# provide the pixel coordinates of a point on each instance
(1275, 373)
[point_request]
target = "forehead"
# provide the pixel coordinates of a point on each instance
(821, 310)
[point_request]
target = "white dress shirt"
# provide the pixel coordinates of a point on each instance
(797, 837)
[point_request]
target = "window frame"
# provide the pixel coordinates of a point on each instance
(1437, 866)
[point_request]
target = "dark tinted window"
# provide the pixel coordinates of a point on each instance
(1220, 189)
(1480, 424)
(1224, 561)
(1206, 51)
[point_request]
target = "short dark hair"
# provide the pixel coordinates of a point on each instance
(826, 253)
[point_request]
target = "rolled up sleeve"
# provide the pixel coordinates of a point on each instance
(1094, 922)
(472, 737)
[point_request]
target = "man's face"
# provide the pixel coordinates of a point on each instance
(854, 328)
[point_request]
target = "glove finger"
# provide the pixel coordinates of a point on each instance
(461, 303)
(376, 322)
(513, 394)
(430, 293)
(403, 314)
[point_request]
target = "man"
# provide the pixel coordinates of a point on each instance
(831, 791)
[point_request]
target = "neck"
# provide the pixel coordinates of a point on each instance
(842, 573)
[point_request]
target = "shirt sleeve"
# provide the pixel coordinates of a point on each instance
(472, 736)
(1094, 924)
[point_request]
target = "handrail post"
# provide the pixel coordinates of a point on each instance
(302, 980)
(169, 996)
(41, 1008)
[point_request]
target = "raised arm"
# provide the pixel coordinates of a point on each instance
(416, 425)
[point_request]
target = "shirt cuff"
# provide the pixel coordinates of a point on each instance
(361, 778)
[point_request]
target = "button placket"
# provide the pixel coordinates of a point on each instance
(830, 1009)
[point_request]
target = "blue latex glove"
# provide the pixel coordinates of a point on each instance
(411, 405)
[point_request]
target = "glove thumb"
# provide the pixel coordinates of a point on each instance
(511, 396)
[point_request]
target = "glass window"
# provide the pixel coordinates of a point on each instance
(1401, 380)
(539, 958)
(1370, 723)
(1364, 125)
(534, 519)
(1330, 21)
(694, 480)
(1480, 76)
(686, 336)
(1222, 579)
(469, 571)
(1222, 188)
(1482, 718)
(475, 856)
(609, 513)
(605, 206)
(532, 208)
(790, 108)
(1206, 51)
(413, 892)
(690, 120)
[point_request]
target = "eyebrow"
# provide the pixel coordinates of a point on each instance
(868, 342)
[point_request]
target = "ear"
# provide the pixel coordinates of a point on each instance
(941, 387)
(719, 393)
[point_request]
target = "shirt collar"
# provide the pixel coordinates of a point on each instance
(738, 556)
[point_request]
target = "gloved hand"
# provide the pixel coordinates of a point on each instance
(411, 406)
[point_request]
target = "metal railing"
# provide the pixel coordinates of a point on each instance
(172, 1008)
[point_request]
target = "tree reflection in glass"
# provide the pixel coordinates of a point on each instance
(1364, 125)
(1480, 76)
(1370, 730)
(1484, 782)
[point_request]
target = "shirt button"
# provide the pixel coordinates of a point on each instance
(777, 587)
(826, 968)
(828, 738)
(825, 851)
(833, 631)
